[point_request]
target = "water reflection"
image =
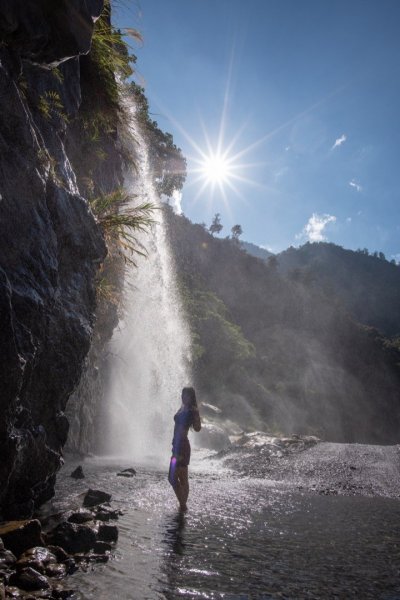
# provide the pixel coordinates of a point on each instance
(174, 533)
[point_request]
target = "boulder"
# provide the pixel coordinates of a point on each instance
(19, 536)
(44, 555)
(7, 558)
(95, 497)
(102, 547)
(78, 473)
(28, 579)
(56, 570)
(108, 533)
(81, 516)
(72, 537)
(213, 437)
(59, 553)
(36, 558)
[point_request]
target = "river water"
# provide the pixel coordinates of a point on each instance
(242, 538)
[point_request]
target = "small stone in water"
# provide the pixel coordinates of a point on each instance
(80, 516)
(78, 473)
(94, 497)
(127, 473)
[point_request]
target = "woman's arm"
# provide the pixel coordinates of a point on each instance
(196, 419)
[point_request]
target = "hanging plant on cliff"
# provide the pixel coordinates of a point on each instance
(97, 137)
(121, 221)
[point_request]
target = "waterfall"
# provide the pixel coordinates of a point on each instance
(150, 349)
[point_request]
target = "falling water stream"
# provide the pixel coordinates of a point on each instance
(151, 346)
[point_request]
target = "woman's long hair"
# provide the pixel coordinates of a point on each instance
(188, 392)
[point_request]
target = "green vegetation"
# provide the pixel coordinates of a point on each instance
(50, 105)
(275, 350)
(121, 220)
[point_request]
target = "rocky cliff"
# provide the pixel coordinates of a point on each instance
(50, 245)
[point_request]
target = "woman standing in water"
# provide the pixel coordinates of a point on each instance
(186, 417)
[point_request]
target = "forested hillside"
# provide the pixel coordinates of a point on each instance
(368, 285)
(281, 352)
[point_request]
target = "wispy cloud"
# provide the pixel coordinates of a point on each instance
(355, 185)
(314, 229)
(280, 173)
(341, 140)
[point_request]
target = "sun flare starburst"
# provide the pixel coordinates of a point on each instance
(216, 168)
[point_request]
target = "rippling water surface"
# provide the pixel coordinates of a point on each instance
(241, 539)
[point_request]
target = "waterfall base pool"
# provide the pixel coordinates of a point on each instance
(241, 539)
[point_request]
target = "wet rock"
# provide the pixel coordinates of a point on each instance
(70, 565)
(1, 544)
(127, 473)
(213, 437)
(44, 555)
(29, 579)
(36, 558)
(102, 547)
(99, 558)
(7, 558)
(108, 533)
(95, 497)
(51, 245)
(2, 591)
(59, 553)
(12, 592)
(72, 537)
(78, 473)
(59, 593)
(19, 536)
(106, 513)
(81, 516)
(209, 410)
(56, 570)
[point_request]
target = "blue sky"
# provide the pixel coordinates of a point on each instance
(309, 89)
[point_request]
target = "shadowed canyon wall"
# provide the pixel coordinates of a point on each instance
(50, 244)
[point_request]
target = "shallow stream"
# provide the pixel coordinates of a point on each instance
(241, 539)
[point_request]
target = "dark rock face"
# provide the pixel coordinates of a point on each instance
(19, 536)
(50, 245)
(46, 32)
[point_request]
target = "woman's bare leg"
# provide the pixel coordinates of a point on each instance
(181, 487)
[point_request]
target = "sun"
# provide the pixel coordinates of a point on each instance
(216, 168)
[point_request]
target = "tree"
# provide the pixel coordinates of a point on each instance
(216, 226)
(236, 232)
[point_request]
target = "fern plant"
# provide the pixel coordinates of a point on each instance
(121, 221)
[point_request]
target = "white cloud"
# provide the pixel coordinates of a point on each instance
(269, 248)
(396, 257)
(355, 185)
(314, 229)
(341, 140)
